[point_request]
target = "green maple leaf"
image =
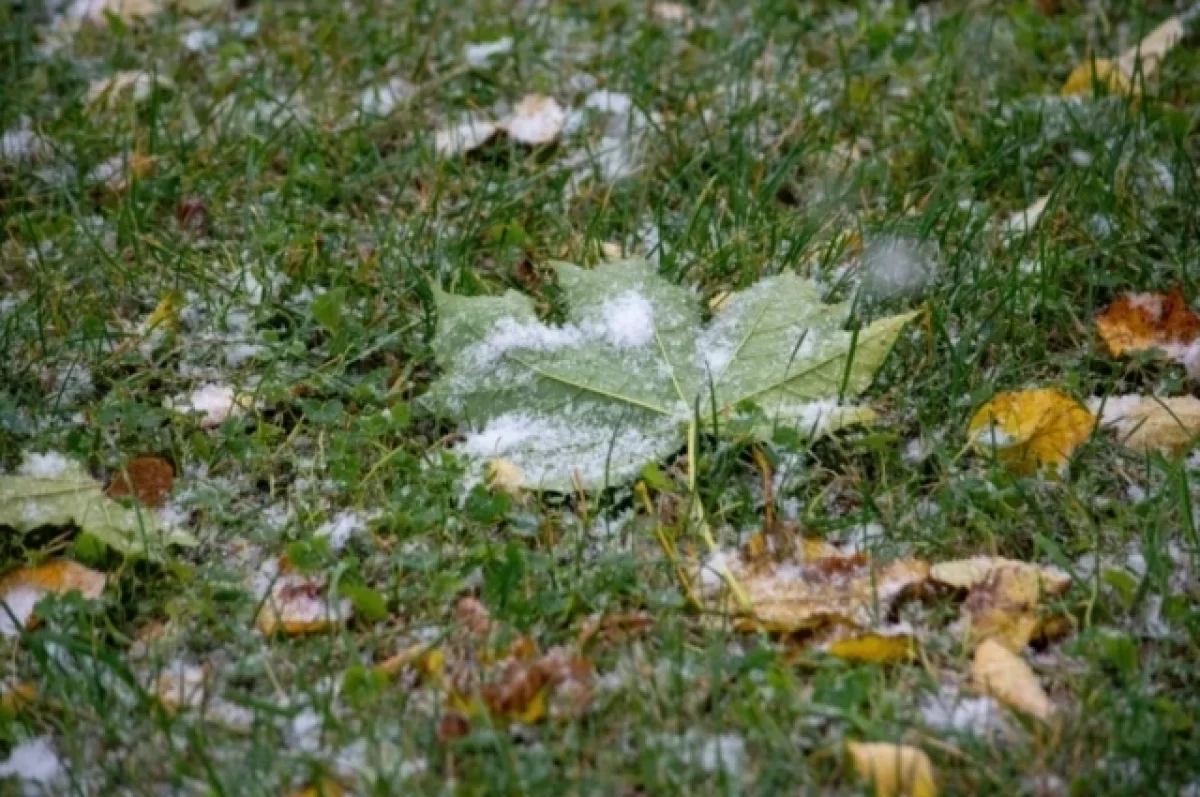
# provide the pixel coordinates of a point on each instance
(76, 499)
(633, 371)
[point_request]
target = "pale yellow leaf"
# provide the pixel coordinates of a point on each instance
(501, 474)
(1003, 606)
(878, 646)
(1147, 423)
(1004, 675)
(21, 590)
(894, 769)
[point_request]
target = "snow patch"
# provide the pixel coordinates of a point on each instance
(50, 465)
(896, 266)
(949, 710)
(35, 762)
(480, 55)
(628, 320)
(16, 607)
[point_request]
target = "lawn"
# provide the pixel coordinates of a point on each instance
(231, 236)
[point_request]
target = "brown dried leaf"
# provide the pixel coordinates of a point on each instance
(148, 478)
(1148, 423)
(1138, 322)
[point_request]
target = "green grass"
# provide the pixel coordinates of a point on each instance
(743, 174)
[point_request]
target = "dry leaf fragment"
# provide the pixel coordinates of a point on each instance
(804, 591)
(536, 120)
(501, 474)
(970, 573)
(1149, 423)
(878, 646)
(325, 787)
(14, 696)
(137, 84)
(895, 769)
(1138, 322)
(298, 604)
(1029, 429)
(147, 478)
(21, 590)
(1119, 76)
(127, 10)
(612, 627)
(1004, 675)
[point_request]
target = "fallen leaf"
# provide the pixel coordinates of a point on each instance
(14, 696)
(1148, 423)
(1138, 322)
(21, 590)
(1023, 221)
(1029, 429)
(1142, 59)
(970, 573)
(500, 474)
(611, 627)
(126, 10)
(149, 479)
(30, 502)
(803, 592)
(1002, 674)
(878, 646)
(296, 604)
(586, 405)
(181, 687)
(536, 120)
(895, 769)
(325, 787)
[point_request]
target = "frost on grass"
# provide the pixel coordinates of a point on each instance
(949, 710)
(36, 763)
(22, 144)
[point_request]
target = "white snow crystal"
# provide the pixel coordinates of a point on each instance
(713, 571)
(465, 136)
(34, 761)
(50, 465)
(22, 143)
(341, 528)
(382, 100)
(949, 710)
(896, 266)
(613, 102)
(216, 403)
(536, 120)
(479, 55)
(199, 40)
(628, 320)
(16, 607)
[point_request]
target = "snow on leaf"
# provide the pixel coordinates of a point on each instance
(21, 590)
(536, 120)
(895, 769)
(1139, 322)
(1029, 429)
(809, 588)
(295, 603)
(595, 399)
(1002, 674)
(30, 502)
(1149, 423)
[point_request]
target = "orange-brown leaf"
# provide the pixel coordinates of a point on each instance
(149, 479)
(1138, 322)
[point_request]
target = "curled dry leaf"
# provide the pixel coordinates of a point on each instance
(149, 479)
(1029, 429)
(21, 590)
(1138, 322)
(894, 769)
(1148, 423)
(1002, 674)
(812, 587)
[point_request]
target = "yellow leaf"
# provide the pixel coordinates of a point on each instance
(21, 590)
(1004, 675)
(813, 586)
(325, 787)
(14, 696)
(1004, 606)
(877, 646)
(895, 769)
(1147, 423)
(166, 313)
(1029, 429)
(1118, 76)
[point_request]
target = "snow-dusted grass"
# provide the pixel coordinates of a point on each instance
(222, 229)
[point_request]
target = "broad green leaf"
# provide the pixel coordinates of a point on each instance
(589, 403)
(76, 499)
